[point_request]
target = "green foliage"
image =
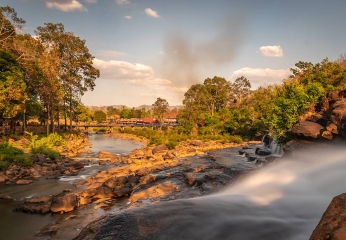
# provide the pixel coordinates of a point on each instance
(100, 116)
(47, 146)
(10, 154)
(160, 108)
(173, 137)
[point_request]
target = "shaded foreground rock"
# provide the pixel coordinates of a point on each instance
(332, 225)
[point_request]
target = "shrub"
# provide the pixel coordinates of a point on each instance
(10, 154)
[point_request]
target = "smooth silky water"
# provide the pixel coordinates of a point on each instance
(17, 225)
(283, 201)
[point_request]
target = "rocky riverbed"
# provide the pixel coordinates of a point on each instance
(143, 177)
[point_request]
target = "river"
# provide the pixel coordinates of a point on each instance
(283, 201)
(17, 225)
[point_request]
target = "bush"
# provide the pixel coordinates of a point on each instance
(48, 152)
(10, 154)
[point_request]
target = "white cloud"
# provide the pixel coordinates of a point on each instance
(65, 5)
(260, 76)
(151, 13)
(271, 51)
(134, 74)
(128, 17)
(122, 2)
(91, 1)
(121, 70)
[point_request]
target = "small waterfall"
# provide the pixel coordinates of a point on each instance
(272, 144)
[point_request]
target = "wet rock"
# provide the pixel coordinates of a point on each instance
(4, 196)
(263, 151)
(122, 190)
(307, 129)
(194, 178)
(332, 225)
(23, 182)
(160, 148)
(115, 181)
(64, 202)
(10, 174)
(78, 165)
(103, 192)
(2, 178)
(327, 135)
(39, 204)
(154, 191)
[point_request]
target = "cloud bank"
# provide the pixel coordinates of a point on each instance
(66, 5)
(271, 51)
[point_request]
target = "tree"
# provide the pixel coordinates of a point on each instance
(219, 92)
(100, 116)
(240, 89)
(9, 22)
(160, 108)
(76, 74)
(12, 88)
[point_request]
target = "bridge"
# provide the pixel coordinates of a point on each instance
(122, 125)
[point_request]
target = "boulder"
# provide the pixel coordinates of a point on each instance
(115, 181)
(4, 196)
(123, 190)
(307, 129)
(40, 204)
(23, 182)
(160, 148)
(263, 151)
(64, 202)
(332, 225)
(2, 178)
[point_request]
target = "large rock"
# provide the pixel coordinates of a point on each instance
(40, 204)
(64, 202)
(263, 151)
(307, 129)
(23, 182)
(332, 225)
(160, 148)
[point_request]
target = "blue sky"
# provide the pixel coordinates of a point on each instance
(147, 49)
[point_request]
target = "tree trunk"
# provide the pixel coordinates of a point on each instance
(52, 120)
(65, 117)
(70, 108)
(47, 123)
(24, 120)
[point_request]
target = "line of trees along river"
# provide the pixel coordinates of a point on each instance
(45, 76)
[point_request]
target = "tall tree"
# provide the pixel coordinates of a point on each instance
(12, 88)
(9, 23)
(160, 108)
(77, 74)
(219, 92)
(240, 89)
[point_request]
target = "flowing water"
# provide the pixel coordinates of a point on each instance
(283, 201)
(17, 225)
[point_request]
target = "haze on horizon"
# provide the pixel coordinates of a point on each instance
(147, 49)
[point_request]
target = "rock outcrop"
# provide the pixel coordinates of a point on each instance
(332, 225)
(327, 121)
